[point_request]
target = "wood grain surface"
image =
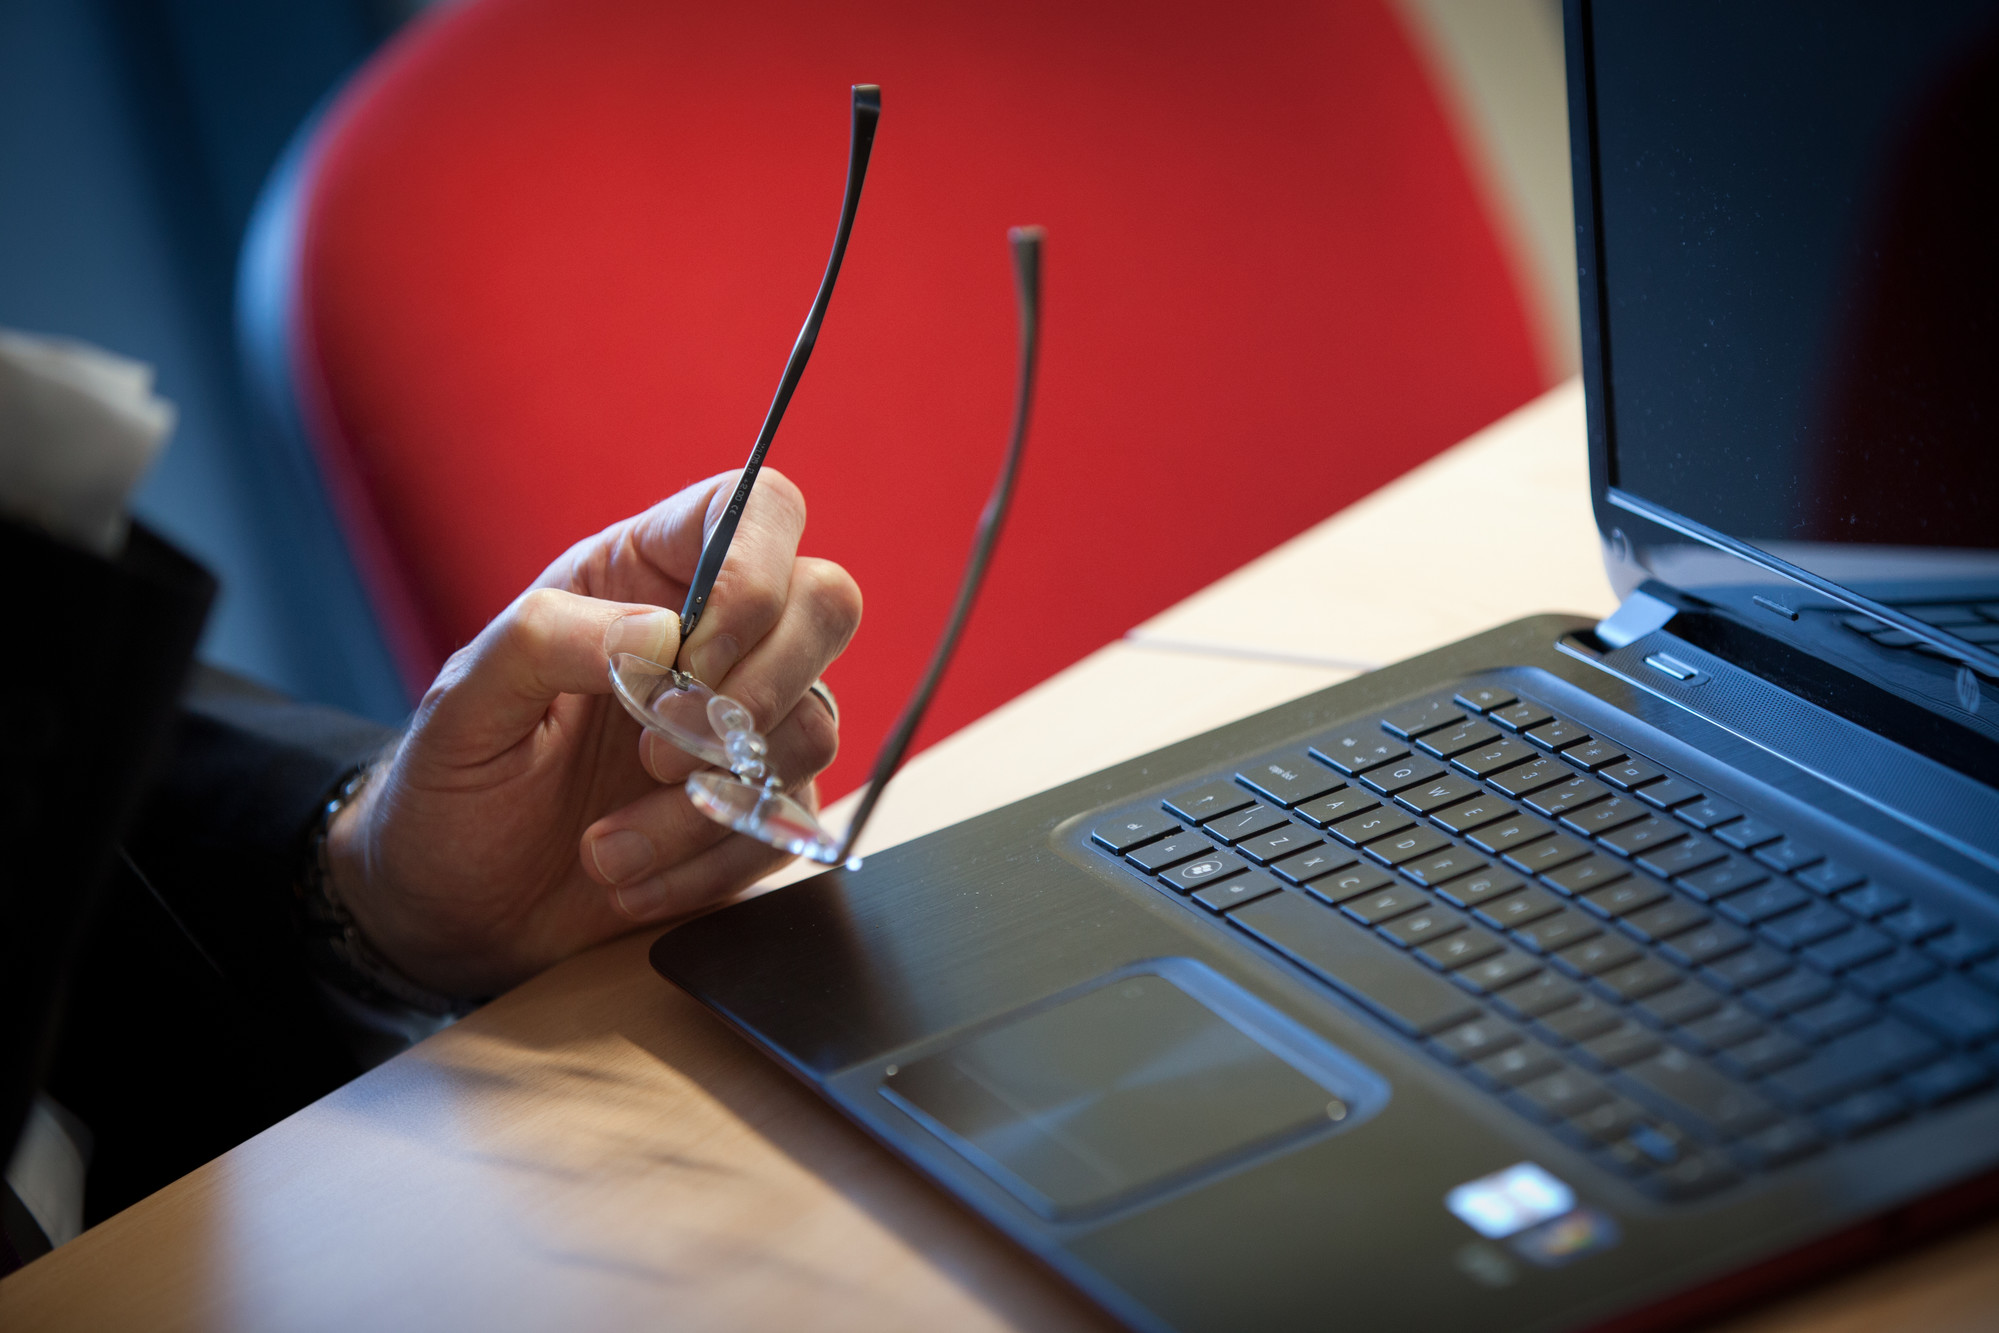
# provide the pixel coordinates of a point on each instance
(594, 1150)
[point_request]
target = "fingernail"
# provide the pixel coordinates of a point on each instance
(643, 900)
(622, 855)
(712, 660)
(653, 635)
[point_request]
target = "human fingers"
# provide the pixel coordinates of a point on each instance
(547, 643)
(821, 612)
(659, 856)
(753, 587)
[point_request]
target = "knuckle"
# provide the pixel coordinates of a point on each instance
(832, 596)
(782, 493)
(535, 619)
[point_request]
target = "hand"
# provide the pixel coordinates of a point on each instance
(524, 815)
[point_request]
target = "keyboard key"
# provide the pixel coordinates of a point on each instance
(1887, 976)
(1605, 816)
(1121, 833)
(1593, 754)
(1730, 1025)
(1746, 835)
(1555, 932)
(1519, 909)
(1630, 774)
(1799, 989)
(1869, 901)
(1596, 955)
(1557, 735)
(1156, 856)
(1476, 1040)
(1396, 848)
(1290, 779)
(1578, 877)
(1369, 825)
(1696, 948)
(1914, 923)
(1945, 1081)
(1959, 948)
(1854, 1061)
(1689, 854)
(1708, 813)
(1862, 944)
(1371, 909)
(1341, 885)
(1517, 717)
(1679, 1004)
(1952, 1008)
(1863, 1113)
(1363, 747)
(1589, 1016)
(1504, 834)
(1525, 779)
(1392, 777)
(1491, 758)
(1286, 841)
(1540, 994)
(1332, 808)
(1794, 930)
(1206, 870)
(1762, 1055)
(1459, 950)
(1617, 900)
(1642, 836)
(1433, 923)
(1483, 887)
(1521, 1064)
(1622, 1045)
(1447, 790)
(1698, 1175)
(1635, 981)
(1694, 1093)
(1763, 902)
(1670, 794)
(1447, 741)
(1829, 1018)
(1665, 920)
(1497, 972)
(1563, 1094)
(1723, 878)
(1748, 967)
(1830, 877)
(1788, 856)
(1413, 720)
(1235, 892)
(1473, 813)
(1544, 854)
(1409, 996)
(1483, 698)
(1608, 1122)
(1243, 824)
(1204, 802)
(1780, 1145)
(1308, 865)
(1563, 797)
(1431, 871)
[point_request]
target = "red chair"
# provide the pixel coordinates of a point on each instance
(552, 254)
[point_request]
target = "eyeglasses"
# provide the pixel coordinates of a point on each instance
(749, 797)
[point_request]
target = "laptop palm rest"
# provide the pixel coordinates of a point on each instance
(1134, 1085)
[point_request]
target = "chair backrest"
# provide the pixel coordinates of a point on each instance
(552, 254)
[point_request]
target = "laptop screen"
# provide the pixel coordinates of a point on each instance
(1797, 233)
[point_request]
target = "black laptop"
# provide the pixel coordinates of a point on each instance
(1574, 974)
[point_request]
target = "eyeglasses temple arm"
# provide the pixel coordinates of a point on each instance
(867, 110)
(1026, 243)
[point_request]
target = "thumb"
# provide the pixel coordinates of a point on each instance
(549, 642)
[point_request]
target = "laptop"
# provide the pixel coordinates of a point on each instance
(1576, 973)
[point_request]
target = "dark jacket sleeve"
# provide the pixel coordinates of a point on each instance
(193, 1021)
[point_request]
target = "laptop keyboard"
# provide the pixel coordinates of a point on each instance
(1671, 982)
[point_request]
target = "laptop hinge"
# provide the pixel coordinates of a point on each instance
(1639, 615)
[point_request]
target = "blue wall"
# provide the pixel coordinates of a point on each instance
(135, 136)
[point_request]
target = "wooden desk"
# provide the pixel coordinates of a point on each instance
(594, 1151)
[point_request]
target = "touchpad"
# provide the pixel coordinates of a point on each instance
(1133, 1085)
